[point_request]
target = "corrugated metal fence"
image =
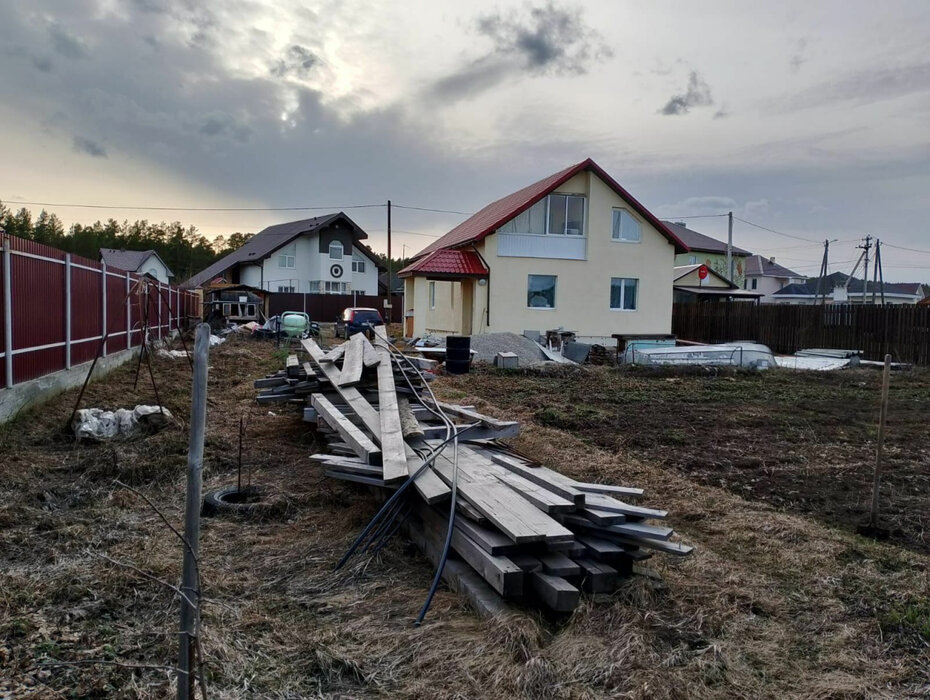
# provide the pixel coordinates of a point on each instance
(903, 331)
(57, 307)
(327, 307)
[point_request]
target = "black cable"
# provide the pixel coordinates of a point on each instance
(113, 206)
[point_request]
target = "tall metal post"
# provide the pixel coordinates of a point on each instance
(389, 266)
(103, 308)
(730, 246)
(7, 313)
(190, 605)
(67, 310)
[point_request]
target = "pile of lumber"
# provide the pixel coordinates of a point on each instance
(521, 530)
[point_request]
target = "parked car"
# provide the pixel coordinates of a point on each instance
(357, 319)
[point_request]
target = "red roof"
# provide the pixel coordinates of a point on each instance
(485, 222)
(455, 263)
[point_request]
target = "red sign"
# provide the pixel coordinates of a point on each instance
(703, 272)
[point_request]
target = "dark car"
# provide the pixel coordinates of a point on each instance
(357, 319)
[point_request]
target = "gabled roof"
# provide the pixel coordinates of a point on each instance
(758, 266)
(698, 242)
(447, 262)
(685, 270)
(129, 260)
(268, 240)
(490, 218)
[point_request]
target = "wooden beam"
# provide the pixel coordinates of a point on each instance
(394, 457)
(540, 476)
(557, 564)
(369, 357)
(555, 592)
(363, 446)
(597, 577)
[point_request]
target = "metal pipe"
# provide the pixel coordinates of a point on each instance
(67, 310)
(7, 314)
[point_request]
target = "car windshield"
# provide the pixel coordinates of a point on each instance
(364, 316)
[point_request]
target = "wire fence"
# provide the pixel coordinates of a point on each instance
(58, 307)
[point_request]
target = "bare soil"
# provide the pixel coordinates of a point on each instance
(774, 603)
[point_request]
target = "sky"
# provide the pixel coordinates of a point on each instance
(806, 118)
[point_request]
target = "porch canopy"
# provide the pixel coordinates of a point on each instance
(447, 264)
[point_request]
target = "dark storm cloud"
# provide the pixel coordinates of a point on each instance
(543, 40)
(697, 94)
(82, 144)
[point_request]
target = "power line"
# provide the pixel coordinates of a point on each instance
(112, 206)
(779, 233)
(901, 247)
(439, 211)
(409, 233)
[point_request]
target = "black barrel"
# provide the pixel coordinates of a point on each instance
(458, 353)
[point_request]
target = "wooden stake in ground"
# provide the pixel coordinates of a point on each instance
(883, 412)
(190, 603)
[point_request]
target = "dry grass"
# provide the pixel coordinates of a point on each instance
(772, 604)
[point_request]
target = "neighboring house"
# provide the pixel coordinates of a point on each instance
(839, 288)
(574, 250)
(704, 250)
(767, 276)
(145, 262)
(689, 286)
(322, 255)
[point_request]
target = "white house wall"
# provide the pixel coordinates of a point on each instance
(309, 265)
(156, 268)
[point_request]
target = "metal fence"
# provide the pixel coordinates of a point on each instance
(327, 307)
(58, 307)
(902, 330)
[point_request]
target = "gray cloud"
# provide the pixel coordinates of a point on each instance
(798, 58)
(66, 43)
(82, 144)
(544, 40)
(299, 62)
(42, 64)
(696, 95)
(863, 87)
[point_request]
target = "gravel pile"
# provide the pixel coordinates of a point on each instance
(486, 347)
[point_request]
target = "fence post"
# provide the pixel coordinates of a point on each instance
(103, 308)
(67, 310)
(160, 322)
(128, 315)
(7, 314)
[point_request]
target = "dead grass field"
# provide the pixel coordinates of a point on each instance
(774, 603)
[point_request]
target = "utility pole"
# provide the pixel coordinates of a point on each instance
(389, 266)
(865, 274)
(730, 246)
(823, 273)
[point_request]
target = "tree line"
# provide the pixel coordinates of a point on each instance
(182, 247)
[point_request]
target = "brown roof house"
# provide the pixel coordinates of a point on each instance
(145, 262)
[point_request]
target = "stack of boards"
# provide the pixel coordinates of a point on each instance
(522, 531)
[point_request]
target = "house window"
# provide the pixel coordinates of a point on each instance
(227, 309)
(755, 282)
(692, 260)
(313, 286)
(288, 261)
(285, 288)
(557, 214)
(335, 287)
(432, 295)
(623, 293)
(626, 228)
(335, 250)
(540, 291)
(250, 310)
(358, 265)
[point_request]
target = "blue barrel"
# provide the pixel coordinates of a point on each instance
(458, 354)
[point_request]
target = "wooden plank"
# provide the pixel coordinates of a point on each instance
(333, 355)
(491, 541)
(543, 499)
(421, 363)
(601, 548)
(602, 517)
(269, 382)
(292, 366)
(438, 432)
(555, 592)
(393, 452)
(607, 489)
(676, 548)
(602, 502)
(369, 357)
(597, 577)
(640, 530)
(352, 365)
(347, 464)
(557, 564)
(363, 446)
(357, 478)
(409, 425)
(502, 574)
(526, 562)
(468, 510)
(428, 485)
(540, 476)
(473, 416)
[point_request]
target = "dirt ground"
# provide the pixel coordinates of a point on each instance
(775, 602)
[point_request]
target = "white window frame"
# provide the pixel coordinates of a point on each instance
(548, 199)
(286, 261)
(342, 250)
(286, 289)
(621, 211)
(692, 259)
(623, 294)
(555, 293)
(358, 266)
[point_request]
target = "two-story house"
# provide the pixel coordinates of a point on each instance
(767, 276)
(145, 262)
(322, 255)
(574, 250)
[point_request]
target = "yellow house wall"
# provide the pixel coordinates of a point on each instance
(716, 262)
(446, 314)
(582, 301)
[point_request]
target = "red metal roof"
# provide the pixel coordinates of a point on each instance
(447, 262)
(489, 219)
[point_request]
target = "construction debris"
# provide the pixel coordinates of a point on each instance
(99, 424)
(497, 526)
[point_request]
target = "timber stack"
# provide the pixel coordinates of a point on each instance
(519, 529)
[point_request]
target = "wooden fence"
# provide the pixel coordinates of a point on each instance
(327, 307)
(903, 331)
(57, 307)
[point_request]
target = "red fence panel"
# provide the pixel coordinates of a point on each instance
(38, 306)
(86, 311)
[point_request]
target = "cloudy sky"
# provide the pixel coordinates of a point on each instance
(809, 118)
